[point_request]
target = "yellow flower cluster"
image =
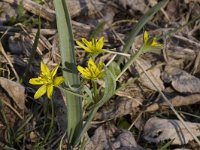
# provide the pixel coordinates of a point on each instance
(47, 79)
(150, 43)
(92, 71)
(94, 46)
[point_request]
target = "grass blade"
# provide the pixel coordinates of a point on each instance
(33, 52)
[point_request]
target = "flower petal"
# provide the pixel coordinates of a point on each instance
(83, 46)
(156, 44)
(49, 91)
(58, 80)
(85, 73)
(41, 91)
(89, 44)
(91, 63)
(100, 44)
(36, 81)
(145, 37)
(44, 68)
(81, 69)
(54, 71)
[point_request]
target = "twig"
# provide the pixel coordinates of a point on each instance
(8, 60)
(187, 40)
(18, 29)
(13, 109)
(135, 121)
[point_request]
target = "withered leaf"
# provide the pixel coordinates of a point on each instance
(157, 130)
(154, 73)
(182, 81)
(15, 91)
(135, 5)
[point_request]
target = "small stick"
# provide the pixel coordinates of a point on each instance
(8, 60)
(13, 109)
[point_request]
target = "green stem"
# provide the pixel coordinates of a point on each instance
(51, 123)
(95, 92)
(130, 62)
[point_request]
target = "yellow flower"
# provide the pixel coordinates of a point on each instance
(48, 79)
(93, 71)
(150, 42)
(94, 46)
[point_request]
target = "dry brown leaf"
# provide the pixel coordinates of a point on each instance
(109, 137)
(135, 5)
(15, 91)
(182, 81)
(127, 101)
(154, 73)
(157, 130)
(121, 106)
(83, 7)
(126, 139)
(100, 139)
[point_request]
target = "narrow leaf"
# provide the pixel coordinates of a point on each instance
(74, 107)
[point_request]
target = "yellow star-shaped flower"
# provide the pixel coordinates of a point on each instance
(47, 79)
(92, 71)
(94, 46)
(150, 43)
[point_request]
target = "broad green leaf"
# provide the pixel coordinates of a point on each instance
(74, 106)
(114, 68)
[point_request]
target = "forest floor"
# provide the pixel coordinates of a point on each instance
(137, 117)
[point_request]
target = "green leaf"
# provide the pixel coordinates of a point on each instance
(74, 103)
(98, 29)
(114, 68)
(33, 52)
(110, 86)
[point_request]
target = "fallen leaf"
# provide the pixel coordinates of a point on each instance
(154, 73)
(109, 137)
(182, 81)
(83, 7)
(100, 139)
(135, 5)
(120, 107)
(157, 130)
(126, 139)
(15, 91)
